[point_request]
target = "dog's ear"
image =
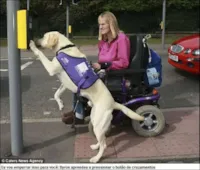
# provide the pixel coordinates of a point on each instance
(52, 40)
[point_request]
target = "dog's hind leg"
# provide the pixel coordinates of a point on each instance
(95, 146)
(101, 138)
(100, 131)
(57, 95)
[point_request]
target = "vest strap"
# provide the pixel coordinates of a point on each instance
(67, 46)
(81, 82)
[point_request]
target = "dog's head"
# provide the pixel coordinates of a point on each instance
(53, 40)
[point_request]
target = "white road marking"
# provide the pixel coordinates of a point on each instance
(3, 70)
(54, 88)
(26, 65)
(47, 113)
(51, 99)
(6, 59)
(42, 120)
(23, 66)
(24, 58)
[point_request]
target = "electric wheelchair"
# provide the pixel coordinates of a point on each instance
(128, 87)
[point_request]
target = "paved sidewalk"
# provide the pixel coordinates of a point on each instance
(58, 143)
(178, 142)
(88, 50)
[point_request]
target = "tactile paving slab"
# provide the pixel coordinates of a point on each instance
(129, 145)
(83, 150)
(175, 145)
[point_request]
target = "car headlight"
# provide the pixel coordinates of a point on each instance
(176, 48)
(196, 52)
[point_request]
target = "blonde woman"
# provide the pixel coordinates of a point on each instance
(114, 52)
(114, 45)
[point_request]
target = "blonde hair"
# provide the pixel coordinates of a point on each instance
(112, 21)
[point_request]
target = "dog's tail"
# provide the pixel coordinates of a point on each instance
(128, 112)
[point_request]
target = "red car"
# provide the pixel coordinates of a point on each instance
(184, 53)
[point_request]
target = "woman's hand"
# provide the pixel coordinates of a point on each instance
(96, 66)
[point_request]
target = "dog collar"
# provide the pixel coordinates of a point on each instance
(67, 46)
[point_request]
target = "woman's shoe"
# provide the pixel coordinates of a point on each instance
(68, 117)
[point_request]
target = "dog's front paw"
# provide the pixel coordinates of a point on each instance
(61, 105)
(33, 47)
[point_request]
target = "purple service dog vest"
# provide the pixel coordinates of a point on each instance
(79, 70)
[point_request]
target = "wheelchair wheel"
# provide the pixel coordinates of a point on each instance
(154, 121)
(90, 128)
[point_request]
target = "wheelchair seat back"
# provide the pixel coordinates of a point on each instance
(139, 55)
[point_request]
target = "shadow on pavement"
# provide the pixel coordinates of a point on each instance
(172, 118)
(4, 90)
(125, 140)
(41, 140)
(56, 140)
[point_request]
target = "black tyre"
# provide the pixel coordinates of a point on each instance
(90, 128)
(154, 121)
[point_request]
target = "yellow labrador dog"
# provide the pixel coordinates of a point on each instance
(98, 95)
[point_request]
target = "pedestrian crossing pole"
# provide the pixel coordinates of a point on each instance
(14, 79)
(163, 23)
(67, 18)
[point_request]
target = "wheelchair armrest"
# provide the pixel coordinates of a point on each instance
(123, 72)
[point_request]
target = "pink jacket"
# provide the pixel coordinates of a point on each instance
(117, 52)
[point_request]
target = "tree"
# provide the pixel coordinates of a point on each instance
(48, 14)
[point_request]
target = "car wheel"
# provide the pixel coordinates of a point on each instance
(154, 121)
(90, 128)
